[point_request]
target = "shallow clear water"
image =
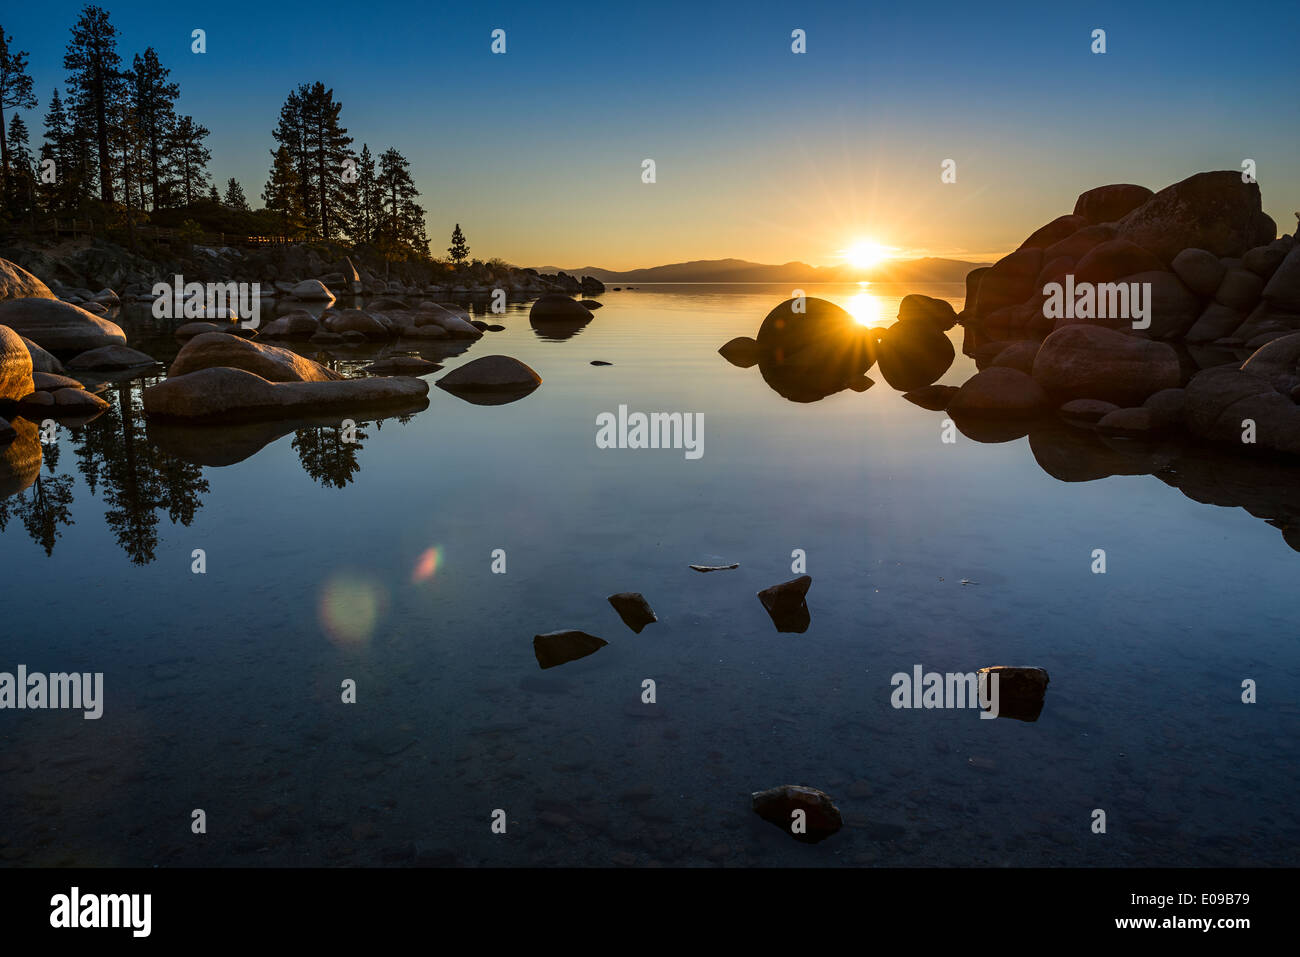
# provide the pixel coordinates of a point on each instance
(222, 690)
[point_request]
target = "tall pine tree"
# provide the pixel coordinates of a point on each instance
(309, 128)
(189, 157)
(283, 194)
(402, 218)
(15, 94)
(154, 100)
(96, 85)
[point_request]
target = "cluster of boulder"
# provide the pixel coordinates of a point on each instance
(1217, 354)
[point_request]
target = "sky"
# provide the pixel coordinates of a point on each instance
(760, 153)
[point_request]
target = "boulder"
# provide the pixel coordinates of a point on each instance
(1113, 259)
(806, 356)
(1134, 421)
(402, 365)
(1166, 408)
(1080, 244)
(937, 312)
(111, 359)
(932, 397)
(973, 279)
(1220, 401)
(1092, 362)
(1264, 260)
(20, 457)
(1018, 355)
(223, 391)
(1283, 289)
(42, 361)
(354, 320)
(819, 820)
(1214, 211)
(299, 324)
(309, 290)
(215, 349)
(914, 354)
(1200, 270)
(491, 374)
(191, 329)
(1216, 322)
(741, 351)
(1172, 308)
(1087, 411)
(17, 283)
(76, 403)
(786, 604)
(1020, 690)
(1054, 232)
(1110, 204)
(431, 331)
(58, 326)
(999, 391)
(15, 366)
(1009, 281)
(1240, 289)
(456, 327)
(557, 308)
(51, 382)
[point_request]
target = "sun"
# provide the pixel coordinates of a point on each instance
(866, 253)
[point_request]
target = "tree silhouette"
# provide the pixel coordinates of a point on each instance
(459, 249)
(235, 198)
(96, 84)
(15, 94)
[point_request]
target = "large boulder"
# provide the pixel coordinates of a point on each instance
(999, 391)
(973, 280)
(1283, 289)
(309, 290)
(1239, 289)
(1113, 259)
(1200, 270)
(501, 374)
(806, 356)
(456, 326)
(1009, 281)
(42, 361)
(1171, 306)
(1215, 322)
(59, 326)
(298, 324)
(17, 283)
(355, 320)
(1225, 404)
(1077, 245)
(1092, 362)
(111, 359)
(235, 392)
(1110, 204)
(1054, 232)
(937, 312)
(558, 308)
(1213, 211)
(15, 366)
(914, 354)
(213, 349)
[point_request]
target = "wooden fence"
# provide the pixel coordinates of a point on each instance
(77, 228)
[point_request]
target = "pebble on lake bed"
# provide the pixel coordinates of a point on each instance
(633, 609)
(560, 647)
(785, 603)
(1020, 691)
(820, 818)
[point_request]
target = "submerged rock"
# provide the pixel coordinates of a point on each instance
(557, 307)
(786, 604)
(633, 609)
(1020, 691)
(402, 365)
(714, 568)
(914, 354)
(560, 647)
(805, 813)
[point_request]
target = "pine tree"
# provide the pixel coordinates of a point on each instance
(21, 195)
(63, 147)
(402, 218)
(15, 94)
(213, 195)
(96, 84)
(189, 157)
(154, 100)
(309, 127)
(282, 193)
(235, 198)
(459, 249)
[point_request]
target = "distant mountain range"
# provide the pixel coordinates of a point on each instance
(739, 270)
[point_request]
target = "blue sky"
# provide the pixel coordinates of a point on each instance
(760, 153)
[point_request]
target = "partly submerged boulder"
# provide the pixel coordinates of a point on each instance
(559, 647)
(224, 391)
(15, 366)
(913, 354)
(999, 391)
(213, 349)
(741, 351)
(491, 377)
(810, 348)
(59, 326)
(805, 813)
(110, 359)
(560, 308)
(310, 290)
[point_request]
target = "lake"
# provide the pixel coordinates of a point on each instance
(374, 562)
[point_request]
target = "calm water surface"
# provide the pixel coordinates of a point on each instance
(373, 562)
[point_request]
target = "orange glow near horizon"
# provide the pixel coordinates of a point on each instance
(866, 253)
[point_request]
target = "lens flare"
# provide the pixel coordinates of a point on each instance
(427, 566)
(350, 607)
